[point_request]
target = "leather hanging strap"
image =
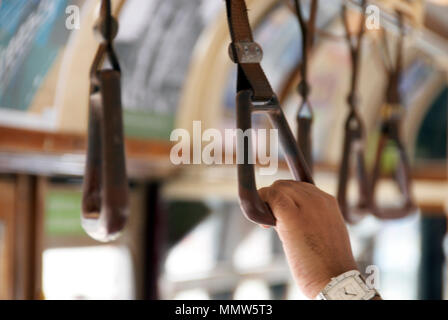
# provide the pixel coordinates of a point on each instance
(305, 113)
(250, 74)
(394, 71)
(105, 187)
(390, 131)
(392, 111)
(355, 52)
(354, 133)
(308, 29)
(253, 85)
(106, 29)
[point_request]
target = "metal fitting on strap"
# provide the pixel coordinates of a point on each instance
(304, 89)
(101, 32)
(245, 52)
(389, 111)
(352, 100)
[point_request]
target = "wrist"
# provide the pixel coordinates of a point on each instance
(350, 285)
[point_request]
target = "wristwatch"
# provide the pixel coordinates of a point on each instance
(348, 286)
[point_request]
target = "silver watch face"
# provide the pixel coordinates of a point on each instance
(347, 289)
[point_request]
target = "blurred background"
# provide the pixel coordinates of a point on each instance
(186, 237)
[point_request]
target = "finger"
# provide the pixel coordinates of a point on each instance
(279, 200)
(303, 192)
(299, 195)
(306, 194)
(311, 189)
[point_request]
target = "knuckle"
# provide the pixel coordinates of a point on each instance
(284, 204)
(273, 193)
(279, 199)
(281, 183)
(330, 202)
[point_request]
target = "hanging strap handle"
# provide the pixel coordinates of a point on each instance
(354, 132)
(355, 51)
(105, 189)
(246, 53)
(392, 114)
(254, 94)
(305, 113)
(308, 31)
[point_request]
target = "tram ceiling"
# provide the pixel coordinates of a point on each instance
(432, 36)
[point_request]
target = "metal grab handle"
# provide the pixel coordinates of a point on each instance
(105, 189)
(354, 146)
(253, 206)
(252, 85)
(390, 132)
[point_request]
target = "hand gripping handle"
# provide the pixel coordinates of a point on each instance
(253, 206)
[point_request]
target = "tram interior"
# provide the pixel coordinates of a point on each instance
(186, 236)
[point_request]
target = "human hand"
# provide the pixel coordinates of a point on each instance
(312, 230)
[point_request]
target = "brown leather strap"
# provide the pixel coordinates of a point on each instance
(308, 31)
(105, 188)
(250, 75)
(394, 68)
(305, 113)
(354, 134)
(402, 178)
(353, 147)
(304, 128)
(106, 29)
(390, 132)
(253, 85)
(355, 51)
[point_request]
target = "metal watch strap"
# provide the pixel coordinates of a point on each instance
(349, 274)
